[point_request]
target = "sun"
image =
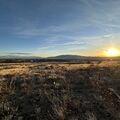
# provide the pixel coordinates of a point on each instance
(112, 52)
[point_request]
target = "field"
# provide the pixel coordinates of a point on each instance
(60, 91)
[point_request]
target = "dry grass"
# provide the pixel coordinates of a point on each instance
(55, 91)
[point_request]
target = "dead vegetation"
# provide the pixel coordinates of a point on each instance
(59, 92)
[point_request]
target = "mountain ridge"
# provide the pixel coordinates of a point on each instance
(62, 57)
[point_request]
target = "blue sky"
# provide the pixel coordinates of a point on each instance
(54, 27)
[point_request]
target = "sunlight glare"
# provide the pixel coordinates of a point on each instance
(112, 52)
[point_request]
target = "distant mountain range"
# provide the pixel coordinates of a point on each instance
(78, 57)
(35, 57)
(69, 57)
(61, 57)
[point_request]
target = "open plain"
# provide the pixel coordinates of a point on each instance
(60, 91)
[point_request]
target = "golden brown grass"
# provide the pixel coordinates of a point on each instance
(59, 91)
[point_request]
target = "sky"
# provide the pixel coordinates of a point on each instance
(55, 27)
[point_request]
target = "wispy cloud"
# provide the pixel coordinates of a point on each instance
(103, 14)
(69, 27)
(15, 54)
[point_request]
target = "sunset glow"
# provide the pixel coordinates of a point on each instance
(45, 28)
(112, 52)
